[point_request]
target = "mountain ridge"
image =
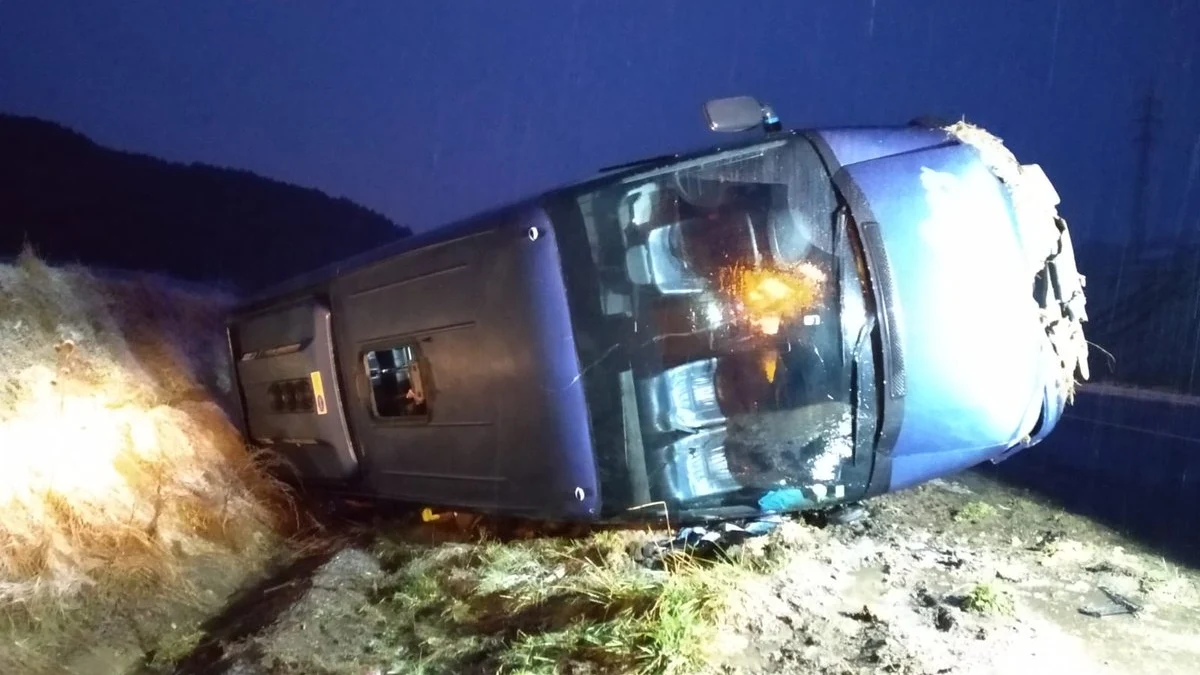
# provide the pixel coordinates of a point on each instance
(77, 201)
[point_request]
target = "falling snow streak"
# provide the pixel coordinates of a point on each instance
(1054, 44)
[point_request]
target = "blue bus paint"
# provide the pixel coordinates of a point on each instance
(563, 373)
(957, 266)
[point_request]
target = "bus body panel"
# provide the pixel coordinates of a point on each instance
(485, 314)
(285, 367)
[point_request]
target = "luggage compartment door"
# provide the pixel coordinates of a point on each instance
(291, 398)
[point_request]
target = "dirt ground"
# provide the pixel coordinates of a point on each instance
(896, 596)
(961, 576)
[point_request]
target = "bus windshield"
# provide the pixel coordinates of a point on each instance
(721, 306)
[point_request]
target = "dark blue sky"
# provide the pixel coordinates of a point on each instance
(429, 111)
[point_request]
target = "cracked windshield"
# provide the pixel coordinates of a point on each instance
(600, 338)
(736, 295)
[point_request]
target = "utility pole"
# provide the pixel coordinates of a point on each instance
(1131, 263)
(1147, 125)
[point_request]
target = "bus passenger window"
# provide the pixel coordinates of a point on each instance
(397, 388)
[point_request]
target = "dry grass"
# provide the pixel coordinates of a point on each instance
(118, 466)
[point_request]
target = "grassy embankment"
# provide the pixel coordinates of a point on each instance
(128, 505)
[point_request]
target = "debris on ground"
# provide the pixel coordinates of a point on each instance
(1120, 605)
(944, 620)
(703, 542)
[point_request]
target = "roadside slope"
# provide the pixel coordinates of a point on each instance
(128, 505)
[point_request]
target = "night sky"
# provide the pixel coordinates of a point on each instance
(429, 111)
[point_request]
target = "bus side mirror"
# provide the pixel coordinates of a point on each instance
(739, 113)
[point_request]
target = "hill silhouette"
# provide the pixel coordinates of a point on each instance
(78, 202)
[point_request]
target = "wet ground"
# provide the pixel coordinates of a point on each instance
(964, 576)
(972, 576)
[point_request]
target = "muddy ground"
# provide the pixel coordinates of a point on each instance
(961, 576)
(902, 595)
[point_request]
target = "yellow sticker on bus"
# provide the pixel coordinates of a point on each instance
(318, 392)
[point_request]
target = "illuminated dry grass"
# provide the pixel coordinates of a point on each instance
(117, 463)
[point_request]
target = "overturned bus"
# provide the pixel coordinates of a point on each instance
(796, 320)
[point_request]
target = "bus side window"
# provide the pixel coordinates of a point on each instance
(398, 388)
